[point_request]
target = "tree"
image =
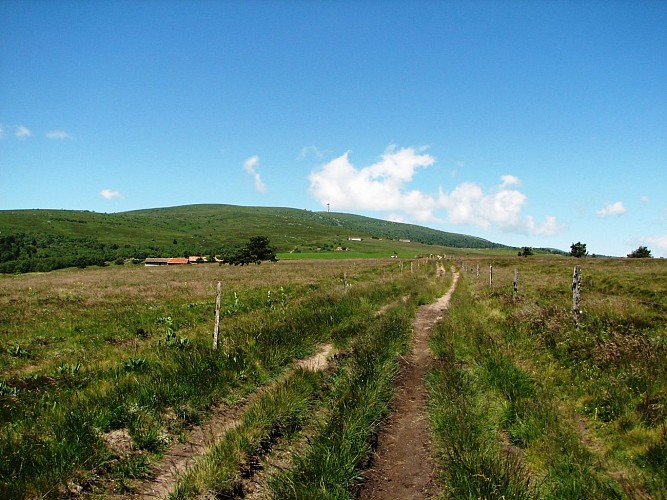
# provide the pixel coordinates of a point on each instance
(260, 248)
(578, 249)
(255, 251)
(640, 253)
(525, 252)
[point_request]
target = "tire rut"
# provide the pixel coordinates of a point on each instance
(181, 456)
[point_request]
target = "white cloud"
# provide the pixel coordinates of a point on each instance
(18, 131)
(58, 134)
(110, 194)
(611, 209)
(548, 227)
(250, 166)
(659, 242)
(509, 180)
(22, 132)
(377, 187)
(311, 150)
(501, 208)
(383, 186)
(395, 218)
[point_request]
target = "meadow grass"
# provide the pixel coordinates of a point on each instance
(277, 412)
(330, 466)
(84, 353)
(345, 411)
(573, 413)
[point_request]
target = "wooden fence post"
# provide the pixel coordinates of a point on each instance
(576, 295)
(217, 316)
(515, 285)
(477, 270)
(490, 275)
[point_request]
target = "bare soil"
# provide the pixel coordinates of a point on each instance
(403, 466)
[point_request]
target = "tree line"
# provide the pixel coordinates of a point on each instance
(24, 252)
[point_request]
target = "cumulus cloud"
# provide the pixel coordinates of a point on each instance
(250, 166)
(58, 135)
(548, 227)
(658, 242)
(501, 207)
(611, 209)
(377, 187)
(384, 186)
(509, 180)
(110, 194)
(395, 218)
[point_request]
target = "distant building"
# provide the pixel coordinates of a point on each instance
(152, 261)
(404, 241)
(355, 238)
(160, 261)
(177, 261)
(196, 259)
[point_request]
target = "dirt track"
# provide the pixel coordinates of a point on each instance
(404, 467)
(183, 455)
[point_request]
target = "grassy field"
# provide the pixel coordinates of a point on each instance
(525, 405)
(86, 355)
(103, 369)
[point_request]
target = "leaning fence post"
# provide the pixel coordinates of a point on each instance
(217, 316)
(515, 289)
(576, 295)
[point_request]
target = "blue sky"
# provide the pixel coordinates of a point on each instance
(538, 123)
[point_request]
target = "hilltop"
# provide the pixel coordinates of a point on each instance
(41, 240)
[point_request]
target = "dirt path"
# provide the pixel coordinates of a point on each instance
(181, 456)
(404, 467)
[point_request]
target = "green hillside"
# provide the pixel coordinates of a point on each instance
(42, 240)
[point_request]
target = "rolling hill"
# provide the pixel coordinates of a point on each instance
(41, 240)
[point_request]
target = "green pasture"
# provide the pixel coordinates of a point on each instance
(527, 405)
(87, 354)
(522, 403)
